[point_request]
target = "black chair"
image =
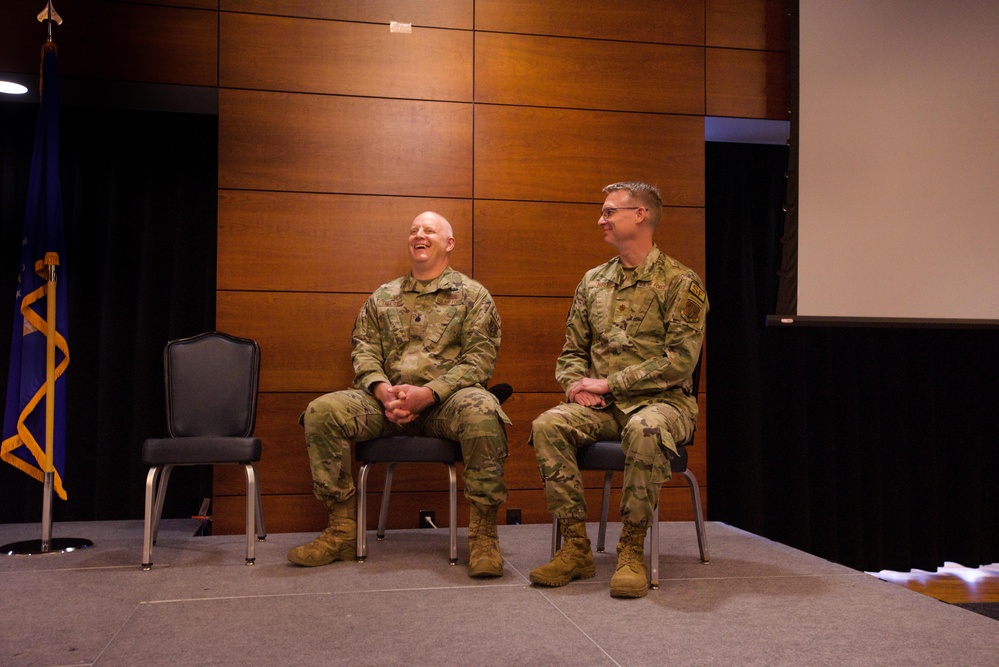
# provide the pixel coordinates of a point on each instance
(607, 455)
(409, 449)
(211, 402)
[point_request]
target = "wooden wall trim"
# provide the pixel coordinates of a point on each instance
(682, 22)
(323, 143)
(438, 14)
(524, 153)
(304, 55)
(587, 74)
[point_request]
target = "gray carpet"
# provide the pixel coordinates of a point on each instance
(990, 609)
(756, 603)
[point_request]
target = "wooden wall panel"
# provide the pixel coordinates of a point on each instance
(315, 132)
(680, 235)
(568, 155)
(660, 21)
(439, 13)
(515, 243)
(304, 338)
(522, 408)
(533, 335)
(288, 241)
(587, 74)
(748, 84)
(321, 143)
(284, 463)
(762, 25)
(118, 41)
(278, 53)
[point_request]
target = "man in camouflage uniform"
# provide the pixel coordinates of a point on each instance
(632, 341)
(424, 346)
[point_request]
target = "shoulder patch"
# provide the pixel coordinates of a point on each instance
(697, 292)
(692, 311)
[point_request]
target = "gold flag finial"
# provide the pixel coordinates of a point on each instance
(51, 15)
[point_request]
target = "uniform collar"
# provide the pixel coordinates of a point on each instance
(643, 272)
(442, 282)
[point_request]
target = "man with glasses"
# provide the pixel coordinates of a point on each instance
(424, 346)
(633, 337)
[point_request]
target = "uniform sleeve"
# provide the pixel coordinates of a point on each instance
(685, 314)
(574, 361)
(480, 341)
(367, 355)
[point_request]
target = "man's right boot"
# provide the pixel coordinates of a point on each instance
(574, 560)
(337, 542)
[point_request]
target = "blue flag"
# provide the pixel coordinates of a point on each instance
(24, 422)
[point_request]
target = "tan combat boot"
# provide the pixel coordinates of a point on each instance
(574, 560)
(630, 580)
(484, 558)
(337, 542)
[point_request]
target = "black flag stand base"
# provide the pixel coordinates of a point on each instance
(59, 545)
(46, 545)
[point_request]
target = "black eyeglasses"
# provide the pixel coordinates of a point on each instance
(608, 212)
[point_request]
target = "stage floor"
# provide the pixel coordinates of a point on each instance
(756, 603)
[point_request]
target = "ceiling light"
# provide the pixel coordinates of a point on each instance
(12, 88)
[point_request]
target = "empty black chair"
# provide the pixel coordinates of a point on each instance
(211, 403)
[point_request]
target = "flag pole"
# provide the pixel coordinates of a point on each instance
(47, 268)
(51, 260)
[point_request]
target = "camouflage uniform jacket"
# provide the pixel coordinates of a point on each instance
(642, 333)
(444, 335)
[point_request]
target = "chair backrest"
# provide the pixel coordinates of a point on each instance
(211, 385)
(695, 377)
(694, 389)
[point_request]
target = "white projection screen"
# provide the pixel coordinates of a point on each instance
(898, 160)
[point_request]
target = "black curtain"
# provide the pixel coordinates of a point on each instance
(140, 199)
(877, 448)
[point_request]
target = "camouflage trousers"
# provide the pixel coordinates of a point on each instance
(472, 416)
(648, 437)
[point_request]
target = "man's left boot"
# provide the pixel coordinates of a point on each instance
(631, 579)
(484, 559)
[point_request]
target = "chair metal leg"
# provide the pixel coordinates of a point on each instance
(261, 530)
(654, 550)
(147, 524)
(160, 498)
(251, 507)
(383, 514)
(453, 511)
(695, 497)
(604, 510)
(556, 536)
(362, 513)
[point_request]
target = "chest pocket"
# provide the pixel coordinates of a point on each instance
(394, 324)
(445, 311)
(642, 317)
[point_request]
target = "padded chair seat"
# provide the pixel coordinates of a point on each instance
(404, 449)
(200, 450)
(408, 449)
(608, 455)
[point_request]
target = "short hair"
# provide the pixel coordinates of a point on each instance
(645, 194)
